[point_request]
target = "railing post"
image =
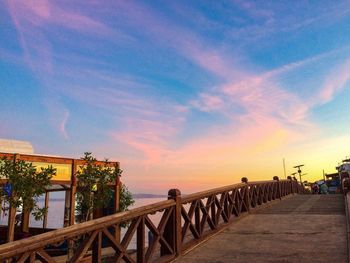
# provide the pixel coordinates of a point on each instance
(279, 194)
(173, 231)
(291, 184)
(297, 184)
(246, 193)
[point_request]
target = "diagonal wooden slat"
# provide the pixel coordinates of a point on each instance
(154, 230)
(188, 221)
(45, 257)
(152, 248)
(206, 216)
(24, 257)
(121, 252)
(84, 247)
(130, 232)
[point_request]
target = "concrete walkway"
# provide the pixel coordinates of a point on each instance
(304, 228)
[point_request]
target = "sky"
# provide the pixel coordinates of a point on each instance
(185, 94)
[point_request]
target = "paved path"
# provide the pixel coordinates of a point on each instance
(303, 228)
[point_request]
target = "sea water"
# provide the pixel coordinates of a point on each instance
(56, 215)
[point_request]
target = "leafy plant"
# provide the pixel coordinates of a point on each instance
(93, 187)
(126, 199)
(25, 184)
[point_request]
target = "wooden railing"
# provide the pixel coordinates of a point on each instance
(346, 191)
(183, 221)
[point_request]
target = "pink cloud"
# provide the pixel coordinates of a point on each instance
(334, 83)
(43, 12)
(184, 41)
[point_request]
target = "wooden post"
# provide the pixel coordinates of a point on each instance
(98, 211)
(291, 184)
(117, 191)
(66, 208)
(25, 221)
(173, 231)
(11, 224)
(97, 249)
(73, 189)
(246, 193)
(279, 194)
(47, 196)
(141, 239)
(12, 213)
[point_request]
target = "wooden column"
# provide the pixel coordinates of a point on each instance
(173, 230)
(67, 205)
(117, 191)
(73, 189)
(291, 184)
(97, 249)
(11, 224)
(98, 211)
(246, 197)
(12, 213)
(141, 239)
(47, 196)
(279, 194)
(25, 221)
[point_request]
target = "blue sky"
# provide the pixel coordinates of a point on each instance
(185, 94)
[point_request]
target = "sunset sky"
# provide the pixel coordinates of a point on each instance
(187, 94)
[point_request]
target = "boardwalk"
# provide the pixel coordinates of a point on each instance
(303, 228)
(265, 221)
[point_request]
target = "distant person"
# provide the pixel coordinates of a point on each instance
(315, 189)
(324, 189)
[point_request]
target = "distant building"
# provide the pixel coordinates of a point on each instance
(14, 146)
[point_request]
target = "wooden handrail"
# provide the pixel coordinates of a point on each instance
(202, 194)
(35, 242)
(185, 221)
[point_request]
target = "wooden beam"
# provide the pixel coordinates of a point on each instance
(73, 190)
(25, 221)
(11, 224)
(117, 191)
(46, 205)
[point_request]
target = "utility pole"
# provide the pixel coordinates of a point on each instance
(284, 169)
(299, 170)
(324, 176)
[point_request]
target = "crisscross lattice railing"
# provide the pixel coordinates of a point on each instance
(173, 226)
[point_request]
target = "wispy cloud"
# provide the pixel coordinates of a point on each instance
(185, 42)
(334, 83)
(63, 125)
(236, 112)
(43, 12)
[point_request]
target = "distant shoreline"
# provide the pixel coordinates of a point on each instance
(148, 196)
(136, 196)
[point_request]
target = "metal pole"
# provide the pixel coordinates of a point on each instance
(324, 176)
(284, 169)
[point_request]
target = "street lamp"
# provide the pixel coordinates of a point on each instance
(299, 169)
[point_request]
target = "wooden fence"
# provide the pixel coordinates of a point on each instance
(183, 222)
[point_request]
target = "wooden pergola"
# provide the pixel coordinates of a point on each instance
(64, 180)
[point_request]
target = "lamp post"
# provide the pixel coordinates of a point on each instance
(299, 170)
